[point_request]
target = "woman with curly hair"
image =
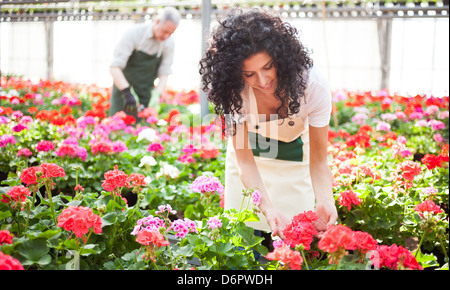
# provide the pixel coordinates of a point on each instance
(276, 107)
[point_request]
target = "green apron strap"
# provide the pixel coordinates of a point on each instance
(141, 71)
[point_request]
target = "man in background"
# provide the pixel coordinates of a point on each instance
(144, 54)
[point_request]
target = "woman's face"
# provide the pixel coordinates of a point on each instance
(260, 73)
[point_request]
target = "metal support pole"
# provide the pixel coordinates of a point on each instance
(385, 40)
(206, 22)
(49, 32)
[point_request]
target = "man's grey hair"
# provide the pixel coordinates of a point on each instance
(169, 14)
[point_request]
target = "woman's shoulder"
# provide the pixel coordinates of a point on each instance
(317, 84)
(316, 76)
(317, 104)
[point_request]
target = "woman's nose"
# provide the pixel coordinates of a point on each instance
(262, 79)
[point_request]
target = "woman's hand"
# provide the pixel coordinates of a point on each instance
(277, 221)
(326, 216)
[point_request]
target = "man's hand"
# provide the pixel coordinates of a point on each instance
(129, 101)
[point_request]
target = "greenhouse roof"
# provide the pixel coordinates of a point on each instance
(79, 10)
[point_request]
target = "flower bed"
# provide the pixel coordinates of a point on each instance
(81, 190)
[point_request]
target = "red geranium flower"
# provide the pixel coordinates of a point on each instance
(410, 169)
(65, 110)
(427, 206)
(336, 240)
(114, 179)
(287, 256)
(16, 194)
(301, 230)
(209, 151)
(431, 161)
(393, 257)
(80, 220)
(9, 263)
(6, 237)
(151, 238)
(28, 175)
(51, 170)
(348, 198)
(136, 181)
(102, 147)
(364, 242)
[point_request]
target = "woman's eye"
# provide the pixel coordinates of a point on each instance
(269, 67)
(248, 75)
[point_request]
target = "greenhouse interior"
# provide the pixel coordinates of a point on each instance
(120, 127)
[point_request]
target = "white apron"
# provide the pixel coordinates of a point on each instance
(281, 151)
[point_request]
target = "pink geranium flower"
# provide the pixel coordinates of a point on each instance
(45, 146)
(207, 185)
(214, 223)
(155, 147)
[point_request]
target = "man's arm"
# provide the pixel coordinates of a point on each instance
(118, 78)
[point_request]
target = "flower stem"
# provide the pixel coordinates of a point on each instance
(304, 259)
(171, 258)
(420, 243)
(136, 206)
(49, 193)
(85, 242)
(18, 222)
(443, 248)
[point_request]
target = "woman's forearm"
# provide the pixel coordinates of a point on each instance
(248, 171)
(321, 176)
(322, 181)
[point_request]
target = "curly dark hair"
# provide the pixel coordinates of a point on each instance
(241, 34)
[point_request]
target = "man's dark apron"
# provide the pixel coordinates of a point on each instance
(141, 71)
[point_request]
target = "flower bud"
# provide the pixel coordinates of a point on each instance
(101, 208)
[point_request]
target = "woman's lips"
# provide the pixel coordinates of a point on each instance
(267, 87)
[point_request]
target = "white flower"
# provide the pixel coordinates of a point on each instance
(161, 122)
(194, 108)
(148, 180)
(147, 160)
(148, 134)
(13, 93)
(168, 171)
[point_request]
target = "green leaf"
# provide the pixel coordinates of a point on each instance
(249, 217)
(426, 260)
(33, 252)
(186, 251)
(249, 239)
(11, 182)
(48, 234)
(71, 244)
(90, 249)
(109, 219)
(238, 262)
(226, 249)
(4, 214)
